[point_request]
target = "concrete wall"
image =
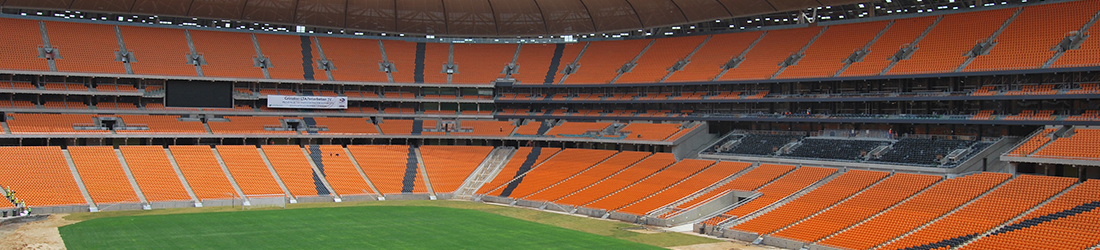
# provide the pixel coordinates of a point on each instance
(497, 199)
(739, 235)
(591, 212)
(782, 242)
(689, 145)
(702, 210)
(313, 199)
(820, 247)
(172, 204)
(624, 217)
(359, 198)
(118, 207)
(399, 197)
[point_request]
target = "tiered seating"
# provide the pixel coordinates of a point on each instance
(202, 171)
(922, 151)
(102, 174)
(652, 184)
(154, 173)
(594, 174)
(85, 47)
(403, 56)
(1032, 115)
(50, 124)
(924, 207)
(227, 54)
(944, 48)
(903, 32)
(879, 197)
(1033, 143)
(514, 166)
(481, 63)
(763, 60)
(654, 64)
(396, 127)
(354, 59)
(346, 126)
(294, 170)
(1045, 228)
(750, 181)
(1086, 88)
(647, 167)
(160, 124)
(249, 125)
(568, 163)
(784, 186)
(435, 55)
(1081, 145)
(1043, 89)
(535, 62)
(386, 167)
(985, 91)
(999, 206)
(703, 179)
(826, 55)
(839, 149)
(576, 128)
(707, 62)
(249, 170)
(448, 166)
(828, 194)
(285, 53)
(20, 50)
(1089, 115)
(159, 51)
(601, 62)
(339, 170)
(682, 132)
(651, 131)
(485, 128)
(983, 115)
(1026, 43)
(39, 175)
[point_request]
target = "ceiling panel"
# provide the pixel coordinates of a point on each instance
(378, 15)
(747, 7)
(518, 17)
(657, 12)
(329, 13)
(217, 9)
(421, 16)
(104, 5)
(612, 15)
(272, 11)
(702, 10)
(43, 4)
(162, 7)
(566, 16)
(470, 17)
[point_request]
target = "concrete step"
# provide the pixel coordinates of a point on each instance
(486, 171)
(362, 174)
(179, 173)
(424, 173)
(274, 174)
(80, 182)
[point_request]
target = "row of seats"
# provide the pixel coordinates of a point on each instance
(581, 180)
(90, 48)
(749, 181)
(909, 151)
(522, 161)
(777, 190)
(1052, 225)
(817, 200)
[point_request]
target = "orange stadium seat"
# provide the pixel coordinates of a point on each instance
(203, 172)
(514, 166)
(654, 64)
(480, 63)
(103, 175)
(696, 183)
(902, 33)
(824, 196)
(763, 60)
(354, 59)
(158, 51)
(652, 184)
(88, 48)
(294, 170)
(707, 62)
(227, 54)
(285, 53)
(622, 179)
(448, 166)
(386, 167)
(1025, 44)
(826, 55)
(48, 183)
(249, 170)
(568, 163)
(339, 170)
(944, 48)
(535, 62)
(601, 61)
(154, 173)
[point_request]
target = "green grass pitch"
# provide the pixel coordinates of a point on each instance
(366, 227)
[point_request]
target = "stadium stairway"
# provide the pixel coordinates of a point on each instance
(523, 169)
(84, 189)
(411, 167)
(940, 217)
(278, 180)
(358, 168)
(319, 180)
(555, 63)
(423, 172)
(487, 171)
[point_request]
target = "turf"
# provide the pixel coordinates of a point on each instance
(372, 227)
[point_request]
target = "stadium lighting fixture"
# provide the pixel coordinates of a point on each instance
(861, 5)
(675, 27)
(717, 21)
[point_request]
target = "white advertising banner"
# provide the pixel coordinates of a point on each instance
(307, 102)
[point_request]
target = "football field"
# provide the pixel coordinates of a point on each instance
(360, 227)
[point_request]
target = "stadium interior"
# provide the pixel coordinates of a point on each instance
(830, 124)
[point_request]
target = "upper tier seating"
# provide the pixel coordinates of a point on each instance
(354, 59)
(227, 54)
(602, 60)
(902, 33)
(20, 52)
(654, 64)
(285, 53)
(86, 48)
(158, 51)
(944, 48)
(537, 65)
(480, 63)
(1026, 43)
(826, 56)
(763, 60)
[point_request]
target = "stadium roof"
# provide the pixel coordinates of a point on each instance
(447, 17)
